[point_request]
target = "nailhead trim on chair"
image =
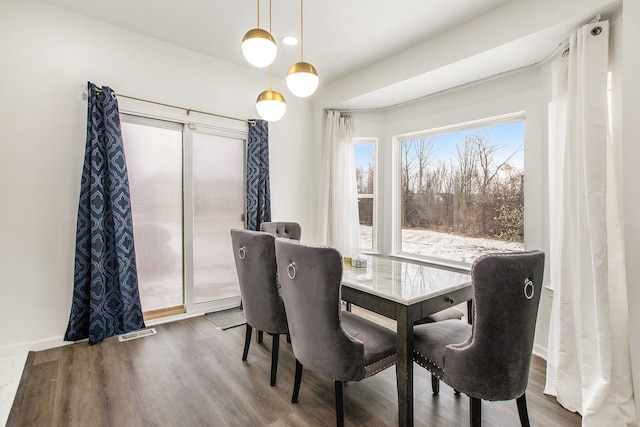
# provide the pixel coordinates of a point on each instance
(428, 364)
(380, 365)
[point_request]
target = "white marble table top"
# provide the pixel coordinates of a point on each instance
(404, 282)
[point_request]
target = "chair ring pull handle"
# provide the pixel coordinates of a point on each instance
(291, 268)
(528, 288)
(242, 253)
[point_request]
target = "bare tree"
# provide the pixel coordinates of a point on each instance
(487, 173)
(464, 167)
(467, 158)
(441, 187)
(360, 179)
(466, 195)
(408, 178)
(425, 152)
(370, 176)
(364, 180)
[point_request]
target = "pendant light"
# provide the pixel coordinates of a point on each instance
(270, 104)
(302, 77)
(258, 46)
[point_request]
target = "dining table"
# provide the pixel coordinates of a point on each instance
(406, 291)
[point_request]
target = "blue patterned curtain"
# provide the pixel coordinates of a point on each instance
(258, 195)
(106, 301)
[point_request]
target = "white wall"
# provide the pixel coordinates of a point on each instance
(47, 54)
(630, 46)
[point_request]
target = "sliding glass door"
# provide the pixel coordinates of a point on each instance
(187, 191)
(154, 165)
(218, 206)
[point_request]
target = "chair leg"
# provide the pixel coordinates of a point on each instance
(259, 337)
(288, 338)
(522, 410)
(275, 350)
(475, 411)
(296, 382)
(339, 403)
(247, 341)
(435, 385)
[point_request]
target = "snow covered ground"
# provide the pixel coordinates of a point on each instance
(443, 245)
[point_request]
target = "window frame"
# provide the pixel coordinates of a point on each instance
(374, 230)
(396, 170)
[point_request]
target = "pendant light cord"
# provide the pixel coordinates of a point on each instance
(270, 65)
(270, 12)
(258, 13)
(301, 33)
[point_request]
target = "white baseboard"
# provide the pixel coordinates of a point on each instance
(27, 346)
(540, 351)
(58, 341)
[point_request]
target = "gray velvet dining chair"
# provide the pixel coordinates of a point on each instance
(326, 340)
(490, 358)
(284, 229)
(289, 230)
(255, 258)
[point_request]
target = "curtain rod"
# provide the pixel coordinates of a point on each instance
(561, 47)
(188, 110)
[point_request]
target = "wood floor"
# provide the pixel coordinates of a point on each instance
(191, 374)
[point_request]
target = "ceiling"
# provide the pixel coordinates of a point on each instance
(340, 36)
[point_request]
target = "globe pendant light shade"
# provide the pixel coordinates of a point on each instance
(302, 79)
(271, 105)
(259, 47)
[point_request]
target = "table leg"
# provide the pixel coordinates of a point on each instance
(404, 368)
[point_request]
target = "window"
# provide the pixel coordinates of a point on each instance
(365, 161)
(187, 191)
(461, 191)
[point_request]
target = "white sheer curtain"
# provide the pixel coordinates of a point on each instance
(588, 366)
(339, 220)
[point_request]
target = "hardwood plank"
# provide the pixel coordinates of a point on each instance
(16, 407)
(191, 374)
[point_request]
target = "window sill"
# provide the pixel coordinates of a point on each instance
(369, 252)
